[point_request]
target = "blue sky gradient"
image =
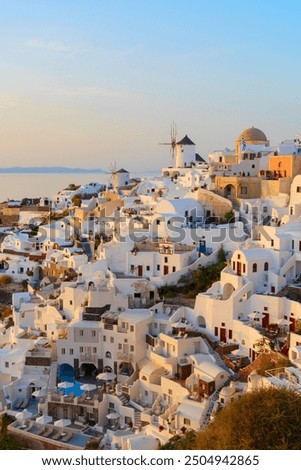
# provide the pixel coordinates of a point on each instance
(87, 83)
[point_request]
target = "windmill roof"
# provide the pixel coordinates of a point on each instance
(198, 158)
(122, 170)
(185, 141)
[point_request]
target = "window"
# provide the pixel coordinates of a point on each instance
(169, 391)
(7, 364)
(81, 332)
(254, 269)
(158, 222)
(146, 393)
(265, 209)
(223, 324)
(265, 309)
(293, 244)
(70, 302)
(244, 190)
(132, 348)
(298, 189)
(187, 421)
(173, 269)
(230, 334)
(111, 340)
(94, 350)
(158, 267)
(266, 266)
(108, 355)
(93, 333)
(147, 268)
(63, 351)
(132, 328)
(238, 256)
(165, 259)
(81, 349)
(215, 331)
(244, 268)
(71, 352)
(272, 242)
(119, 346)
(104, 339)
(233, 264)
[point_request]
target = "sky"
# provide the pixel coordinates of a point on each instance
(88, 83)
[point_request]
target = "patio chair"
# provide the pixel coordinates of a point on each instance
(41, 430)
(67, 437)
(48, 432)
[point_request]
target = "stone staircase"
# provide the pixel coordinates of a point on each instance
(137, 420)
(123, 399)
(217, 358)
(53, 375)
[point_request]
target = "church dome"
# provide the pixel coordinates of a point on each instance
(253, 135)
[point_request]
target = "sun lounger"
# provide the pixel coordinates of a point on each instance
(58, 434)
(41, 430)
(48, 432)
(67, 437)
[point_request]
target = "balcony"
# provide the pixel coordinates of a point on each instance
(126, 357)
(88, 358)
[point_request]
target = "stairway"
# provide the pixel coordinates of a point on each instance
(123, 399)
(218, 359)
(53, 375)
(137, 420)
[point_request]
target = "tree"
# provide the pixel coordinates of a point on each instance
(268, 419)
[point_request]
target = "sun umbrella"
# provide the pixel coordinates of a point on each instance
(61, 423)
(106, 376)
(113, 415)
(22, 415)
(88, 387)
(284, 322)
(65, 385)
(44, 419)
(257, 315)
(39, 393)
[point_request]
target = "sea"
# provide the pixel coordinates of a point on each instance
(16, 186)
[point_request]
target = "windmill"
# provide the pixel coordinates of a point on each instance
(112, 173)
(173, 141)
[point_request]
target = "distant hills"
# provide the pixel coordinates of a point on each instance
(49, 169)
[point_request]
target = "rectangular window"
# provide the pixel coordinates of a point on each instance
(265, 209)
(132, 328)
(298, 189)
(272, 242)
(215, 331)
(293, 244)
(71, 352)
(230, 334)
(7, 364)
(81, 332)
(104, 339)
(119, 346)
(187, 421)
(173, 269)
(158, 267)
(81, 349)
(132, 348)
(169, 391)
(111, 340)
(94, 350)
(244, 268)
(165, 259)
(147, 268)
(93, 333)
(244, 190)
(63, 351)
(70, 302)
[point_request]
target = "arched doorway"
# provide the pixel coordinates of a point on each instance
(228, 291)
(201, 321)
(66, 373)
(37, 274)
(230, 191)
(87, 370)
